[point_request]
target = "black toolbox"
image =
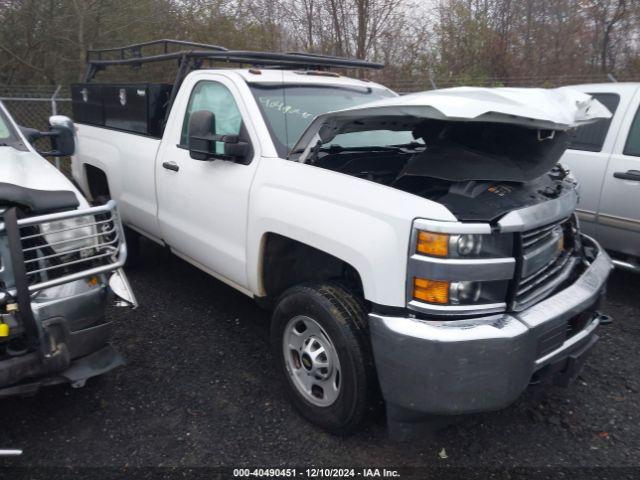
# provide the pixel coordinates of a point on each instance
(137, 108)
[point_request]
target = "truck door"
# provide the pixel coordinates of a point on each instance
(619, 212)
(202, 205)
(588, 156)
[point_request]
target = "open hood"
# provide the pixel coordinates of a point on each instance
(29, 180)
(533, 108)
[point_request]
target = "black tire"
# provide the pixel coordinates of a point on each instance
(342, 316)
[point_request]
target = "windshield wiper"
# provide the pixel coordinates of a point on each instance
(340, 148)
(410, 145)
(373, 148)
(377, 148)
(335, 149)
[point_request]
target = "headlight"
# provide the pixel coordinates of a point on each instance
(459, 272)
(434, 244)
(462, 292)
(71, 235)
(467, 245)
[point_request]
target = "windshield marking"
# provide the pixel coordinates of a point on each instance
(281, 107)
(289, 109)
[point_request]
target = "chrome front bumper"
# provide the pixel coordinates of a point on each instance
(464, 366)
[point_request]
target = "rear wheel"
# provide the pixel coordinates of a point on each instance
(321, 345)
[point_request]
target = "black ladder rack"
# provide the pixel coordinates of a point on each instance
(135, 50)
(99, 59)
(191, 56)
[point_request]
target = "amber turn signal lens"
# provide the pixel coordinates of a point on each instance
(432, 291)
(435, 244)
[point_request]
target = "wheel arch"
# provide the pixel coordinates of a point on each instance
(97, 182)
(286, 261)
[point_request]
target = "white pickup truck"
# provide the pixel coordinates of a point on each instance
(424, 245)
(605, 159)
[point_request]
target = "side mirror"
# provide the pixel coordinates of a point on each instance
(202, 142)
(63, 143)
(62, 135)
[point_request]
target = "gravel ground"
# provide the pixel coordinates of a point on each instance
(200, 390)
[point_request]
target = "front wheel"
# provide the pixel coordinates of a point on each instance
(320, 341)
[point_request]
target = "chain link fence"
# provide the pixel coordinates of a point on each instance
(32, 105)
(426, 82)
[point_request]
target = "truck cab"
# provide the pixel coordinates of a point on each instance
(407, 245)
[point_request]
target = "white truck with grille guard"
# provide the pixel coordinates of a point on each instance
(426, 244)
(60, 263)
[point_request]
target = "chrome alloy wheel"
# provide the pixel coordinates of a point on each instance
(311, 360)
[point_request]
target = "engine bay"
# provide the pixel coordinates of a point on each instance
(479, 171)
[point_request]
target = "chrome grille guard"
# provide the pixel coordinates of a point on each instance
(104, 248)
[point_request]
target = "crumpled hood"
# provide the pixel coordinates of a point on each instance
(538, 108)
(30, 170)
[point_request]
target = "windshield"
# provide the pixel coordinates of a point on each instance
(289, 109)
(8, 136)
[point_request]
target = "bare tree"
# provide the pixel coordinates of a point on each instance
(606, 15)
(458, 41)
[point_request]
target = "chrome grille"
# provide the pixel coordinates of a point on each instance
(546, 262)
(537, 236)
(67, 246)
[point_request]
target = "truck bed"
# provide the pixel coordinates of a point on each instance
(125, 158)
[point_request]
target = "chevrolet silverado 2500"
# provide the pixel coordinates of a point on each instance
(60, 264)
(424, 245)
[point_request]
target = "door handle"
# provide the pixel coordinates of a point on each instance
(628, 175)
(171, 166)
